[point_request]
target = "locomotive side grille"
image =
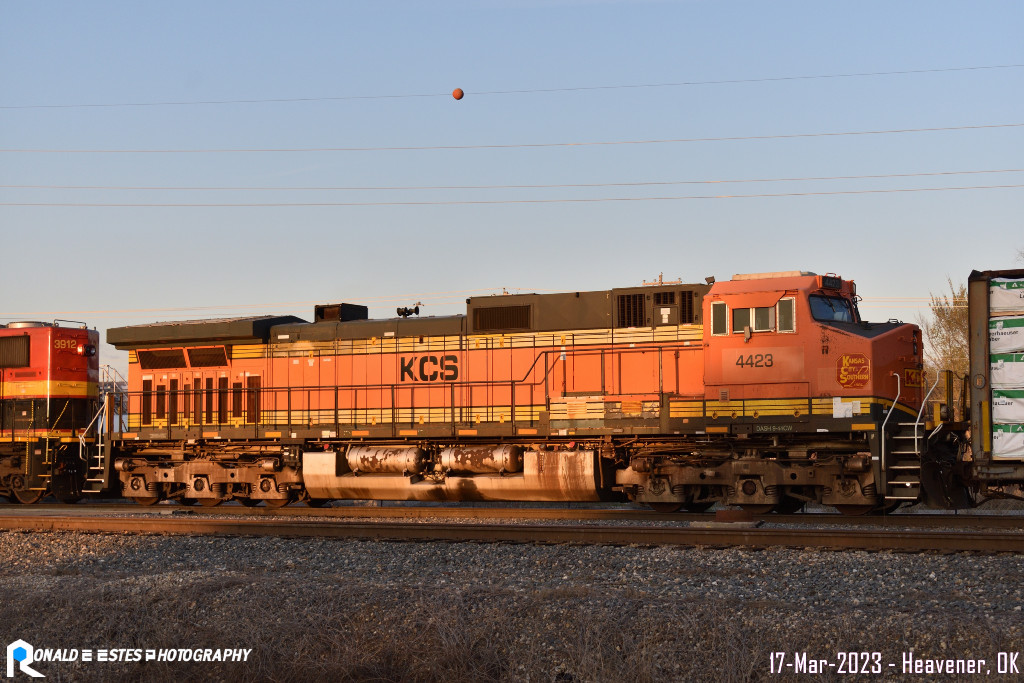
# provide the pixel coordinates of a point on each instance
(147, 401)
(631, 310)
(664, 298)
(14, 352)
(207, 358)
(497, 318)
(686, 308)
(162, 359)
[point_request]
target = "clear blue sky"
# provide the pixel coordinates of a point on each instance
(333, 63)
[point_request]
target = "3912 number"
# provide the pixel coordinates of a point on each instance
(755, 360)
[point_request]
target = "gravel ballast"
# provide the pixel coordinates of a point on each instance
(351, 610)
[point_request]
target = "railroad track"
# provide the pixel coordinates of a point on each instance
(901, 520)
(693, 534)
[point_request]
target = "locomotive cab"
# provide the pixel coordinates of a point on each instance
(790, 365)
(798, 335)
(48, 398)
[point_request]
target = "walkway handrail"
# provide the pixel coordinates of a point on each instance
(892, 409)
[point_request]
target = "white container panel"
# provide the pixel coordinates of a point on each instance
(1005, 295)
(1008, 406)
(1006, 335)
(1007, 370)
(1008, 442)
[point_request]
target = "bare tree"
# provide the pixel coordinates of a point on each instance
(947, 336)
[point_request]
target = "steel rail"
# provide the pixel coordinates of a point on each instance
(711, 534)
(923, 520)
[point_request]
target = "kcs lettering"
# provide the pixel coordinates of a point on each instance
(428, 368)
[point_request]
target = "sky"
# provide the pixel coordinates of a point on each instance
(171, 161)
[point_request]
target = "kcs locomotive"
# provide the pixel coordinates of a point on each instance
(48, 398)
(766, 391)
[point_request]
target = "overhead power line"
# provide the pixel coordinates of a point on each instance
(520, 91)
(540, 186)
(734, 81)
(435, 298)
(465, 202)
(528, 145)
(453, 297)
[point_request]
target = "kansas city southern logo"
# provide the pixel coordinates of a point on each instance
(428, 368)
(853, 370)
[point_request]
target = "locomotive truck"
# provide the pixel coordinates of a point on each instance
(765, 391)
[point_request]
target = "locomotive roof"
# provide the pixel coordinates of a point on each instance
(247, 329)
(601, 309)
(502, 313)
(429, 326)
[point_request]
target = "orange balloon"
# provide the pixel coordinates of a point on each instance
(457, 93)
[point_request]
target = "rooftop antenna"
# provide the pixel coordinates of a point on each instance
(662, 281)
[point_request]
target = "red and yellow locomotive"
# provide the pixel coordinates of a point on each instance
(48, 398)
(765, 391)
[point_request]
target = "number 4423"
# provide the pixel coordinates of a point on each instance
(756, 360)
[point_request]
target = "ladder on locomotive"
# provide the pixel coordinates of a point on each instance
(901, 464)
(113, 398)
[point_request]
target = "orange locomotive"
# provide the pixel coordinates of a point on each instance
(48, 398)
(766, 391)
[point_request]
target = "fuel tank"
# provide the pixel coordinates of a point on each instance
(545, 476)
(482, 459)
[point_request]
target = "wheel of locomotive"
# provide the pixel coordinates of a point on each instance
(316, 502)
(147, 501)
(699, 507)
(249, 502)
(209, 502)
(788, 505)
(277, 502)
(854, 510)
(665, 508)
(28, 497)
(762, 509)
(24, 495)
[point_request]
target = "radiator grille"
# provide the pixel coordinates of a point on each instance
(14, 351)
(497, 318)
(687, 312)
(162, 359)
(631, 310)
(664, 298)
(207, 358)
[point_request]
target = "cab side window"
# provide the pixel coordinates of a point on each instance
(719, 318)
(740, 319)
(787, 315)
(778, 318)
(760, 319)
(764, 319)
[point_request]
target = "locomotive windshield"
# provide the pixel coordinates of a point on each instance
(832, 309)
